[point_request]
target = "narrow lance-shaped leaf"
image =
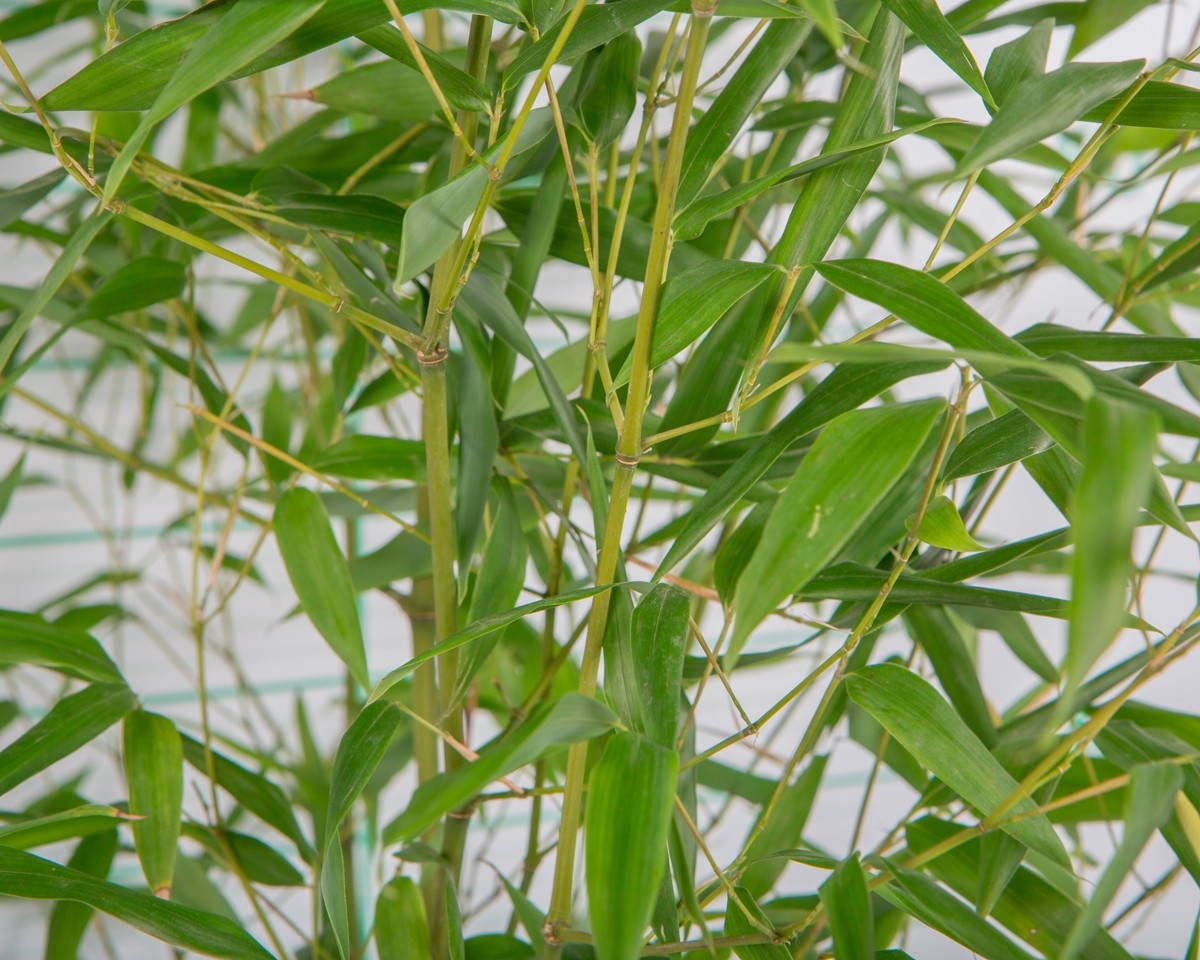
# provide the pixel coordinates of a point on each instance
(319, 574)
(1152, 791)
(844, 389)
(925, 725)
(475, 631)
(693, 301)
(658, 640)
(71, 723)
(1041, 106)
(1018, 60)
(630, 797)
(245, 32)
(401, 930)
(359, 753)
(154, 774)
(1119, 441)
(25, 638)
(930, 26)
(845, 476)
(848, 905)
(70, 918)
(567, 720)
(27, 876)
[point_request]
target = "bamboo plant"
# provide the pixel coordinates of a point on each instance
(652, 407)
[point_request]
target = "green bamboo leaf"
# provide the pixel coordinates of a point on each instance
(258, 861)
(924, 302)
(849, 581)
(1152, 790)
(1099, 18)
(71, 723)
(246, 31)
(153, 755)
(499, 583)
(848, 905)
(737, 924)
(712, 135)
(25, 638)
(1119, 442)
(568, 720)
(1006, 439)
(925, 725)
(942, 640)
(317, 568)
(658, 640)
(609, 93)
(15, 202)
(780, 827)
(691, 220)
(941, 526)
(926, 901)
(824, 14)
(1018, 60)
(598, 24)
(475, 631)
(8, 486)
(358, 756)
(1157, 105)
(84, 821)
(55, 277)
(479, 439)
(356, 215)
(461, 89)
(383, 89)
(29, 877)
(693, 301)
(252, 790)
(1031, 908)
(821, 510)
(435, 220)
(844, 389)
(931, 27)
(401, 930)
(1041, 106)
(135, 285)
(1046, 339)
(631, 794)
(69, 919)
(365, 457)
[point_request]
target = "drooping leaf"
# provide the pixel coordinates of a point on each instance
(401, 929)
(317, 568)
(1118, 445)
(630, 798)
(153, 755)
(1152, 790)
(932, 28)
(848, 904)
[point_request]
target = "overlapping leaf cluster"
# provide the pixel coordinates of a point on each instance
(589, 319)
